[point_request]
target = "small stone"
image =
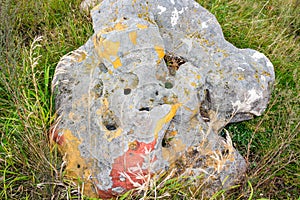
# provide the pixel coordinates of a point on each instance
(168, 85)
(151, 90)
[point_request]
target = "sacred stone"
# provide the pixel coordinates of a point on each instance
(150, 92)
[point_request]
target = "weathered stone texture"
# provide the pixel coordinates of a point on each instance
(152, 87)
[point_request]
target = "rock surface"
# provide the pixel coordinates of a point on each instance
(150, 89)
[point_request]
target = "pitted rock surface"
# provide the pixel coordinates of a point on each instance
(149, 91)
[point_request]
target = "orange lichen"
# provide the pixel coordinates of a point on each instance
(141, 26)
(193, 84)
(107, 48)
(79, 56)
(132, 37)
(110, 135)
(160, 52)
(117, 27)
(117, 63)
(77, 167)
(166, 119)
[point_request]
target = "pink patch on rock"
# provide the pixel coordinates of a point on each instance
(127, 169)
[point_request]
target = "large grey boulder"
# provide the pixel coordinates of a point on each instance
(150, 91)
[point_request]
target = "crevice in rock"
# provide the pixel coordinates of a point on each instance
(170, 134)
(205, 106)
(173, 62)
(145, 109)
(103, 68)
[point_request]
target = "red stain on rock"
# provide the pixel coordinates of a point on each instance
(130, 163)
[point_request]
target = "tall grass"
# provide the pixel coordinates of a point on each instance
(30, 169)
(35, 34)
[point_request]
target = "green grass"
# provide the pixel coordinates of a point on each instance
(31, 169)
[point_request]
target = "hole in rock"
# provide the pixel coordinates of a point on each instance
(127, 91)
(156, 93)
(78, 166)
(109, 120)
(165, 143)
(173, 62)
(144, 109)
(111, 127)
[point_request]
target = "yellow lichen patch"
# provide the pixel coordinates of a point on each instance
(225, 54)
(173, 133)
(132, 37)
(105, 102)
(241, 77)
(133, 145)
(266, 73)
(198, 77)
(166, 119)
(141, 26)
(160, 51)
(80, 56)
(256, 75)
(99, 111)
(193, 84)
(117, 63)
(110, 135)
(77, 167)
(217, 64)
(117, 27)
(107, 49)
